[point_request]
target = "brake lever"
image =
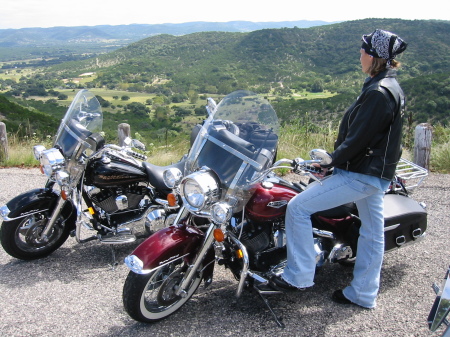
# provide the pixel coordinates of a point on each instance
(304, 167)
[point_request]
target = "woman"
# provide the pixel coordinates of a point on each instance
(366, 154)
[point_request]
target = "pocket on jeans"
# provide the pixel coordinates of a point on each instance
(364, 187)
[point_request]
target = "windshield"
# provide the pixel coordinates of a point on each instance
(237, 142)
(83, 118)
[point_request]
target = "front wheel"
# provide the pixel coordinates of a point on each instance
(152, 297)
(21, 238)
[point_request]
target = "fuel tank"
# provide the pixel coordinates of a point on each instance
(114, 171)
(269, 202)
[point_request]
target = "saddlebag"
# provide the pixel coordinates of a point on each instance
(405, 220)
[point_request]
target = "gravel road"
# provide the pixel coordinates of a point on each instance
(74, 292)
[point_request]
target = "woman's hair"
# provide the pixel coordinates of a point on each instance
(379, 65)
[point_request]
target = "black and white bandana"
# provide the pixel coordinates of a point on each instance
(383, 44)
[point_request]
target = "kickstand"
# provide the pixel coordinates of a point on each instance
(114, 263)
(267, 303)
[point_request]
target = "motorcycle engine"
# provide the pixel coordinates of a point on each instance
(255, 236)
(120, 198)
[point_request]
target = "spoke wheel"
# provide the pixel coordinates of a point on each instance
(21, 238)
(152, 297)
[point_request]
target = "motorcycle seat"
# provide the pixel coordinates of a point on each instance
(339, 211)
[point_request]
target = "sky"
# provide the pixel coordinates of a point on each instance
(51, 13)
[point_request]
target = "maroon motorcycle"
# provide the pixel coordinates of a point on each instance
(233, 213)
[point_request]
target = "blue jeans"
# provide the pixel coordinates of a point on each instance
(340, 188)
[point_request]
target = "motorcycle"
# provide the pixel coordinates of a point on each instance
(233, 213)
(93, 185)
(441, 307)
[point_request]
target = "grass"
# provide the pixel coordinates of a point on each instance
(294, 143)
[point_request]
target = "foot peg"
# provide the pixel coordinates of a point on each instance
(119, 238)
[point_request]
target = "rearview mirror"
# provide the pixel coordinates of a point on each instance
(323, 156)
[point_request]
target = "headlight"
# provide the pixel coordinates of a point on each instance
(221, 212)
(37, 151)
(51, 161)
(200, 190)
(172, 177)
(62, 178)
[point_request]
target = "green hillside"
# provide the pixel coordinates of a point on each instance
(283, 61)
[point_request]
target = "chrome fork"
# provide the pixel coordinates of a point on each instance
(193, 268)
(52, 220)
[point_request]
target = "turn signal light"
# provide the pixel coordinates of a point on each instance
(91, 211)
(63, 195)
(172, 199)
(239, 254)
(218, 235)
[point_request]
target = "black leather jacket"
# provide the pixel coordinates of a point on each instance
(370, 133)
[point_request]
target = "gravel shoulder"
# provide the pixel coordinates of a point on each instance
(74, 292)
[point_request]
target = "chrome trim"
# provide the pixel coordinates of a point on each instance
(194, 268)
(443, 307)
(238, 175)
(324, 234)
(245, 264)
(129, 263)
(389, 228)
(4, 212)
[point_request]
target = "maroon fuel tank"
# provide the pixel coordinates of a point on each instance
(269, 202)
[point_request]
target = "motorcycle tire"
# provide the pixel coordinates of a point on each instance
(20, 237)
(151, 297)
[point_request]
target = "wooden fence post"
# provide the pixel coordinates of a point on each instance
(422, 145)
(124, 132)
(3, 142)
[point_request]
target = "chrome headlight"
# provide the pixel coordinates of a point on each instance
(62, 178)
(37, 151)
(51, 161)
(221, 212)
(200, 190)
(172, 177)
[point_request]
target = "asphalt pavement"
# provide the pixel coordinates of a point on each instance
(75, 292)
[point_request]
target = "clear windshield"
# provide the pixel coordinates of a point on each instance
(83, 118)
(238, 142)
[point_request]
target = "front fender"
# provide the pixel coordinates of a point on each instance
(166, 245)
(34, 201)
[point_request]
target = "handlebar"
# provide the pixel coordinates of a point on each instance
(299, 166)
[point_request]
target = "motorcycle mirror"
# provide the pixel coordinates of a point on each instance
(138, 144)
(323, 156)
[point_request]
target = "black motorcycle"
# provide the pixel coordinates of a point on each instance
(105, 188)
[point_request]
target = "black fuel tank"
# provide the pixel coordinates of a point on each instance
(114, 171)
